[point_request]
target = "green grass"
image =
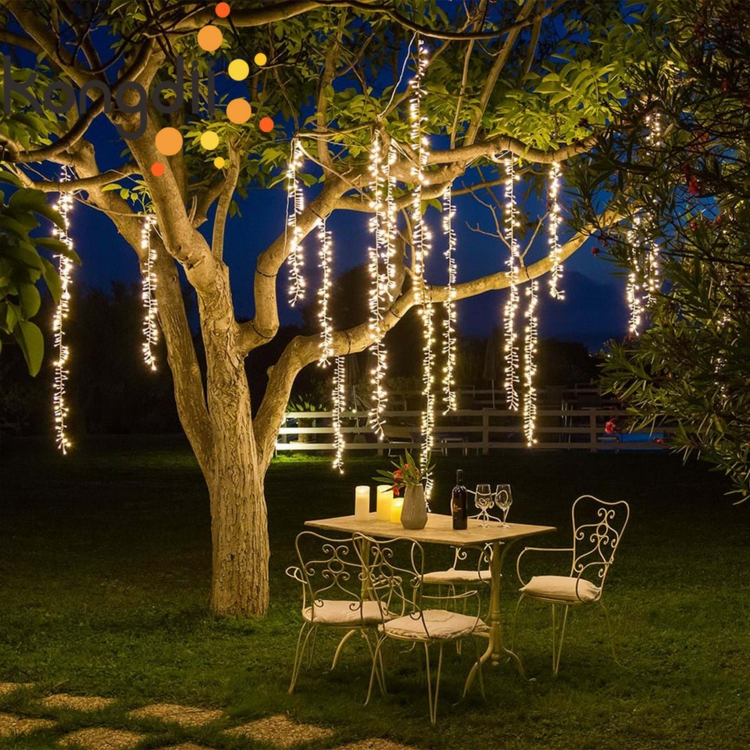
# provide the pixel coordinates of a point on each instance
(104, 574)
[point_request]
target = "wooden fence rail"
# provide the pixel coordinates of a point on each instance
(480, 430)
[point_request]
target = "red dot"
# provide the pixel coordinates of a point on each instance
(222, 10)
(157, 169)
(266, 124)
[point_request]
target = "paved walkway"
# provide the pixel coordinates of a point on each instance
(276, 731)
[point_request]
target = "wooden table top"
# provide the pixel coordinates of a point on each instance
(439, 530)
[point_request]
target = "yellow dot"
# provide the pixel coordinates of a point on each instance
(238, 70)
(209, 140)
(210, 38)
(168, 141)
(260, 59)
(239, 111)
(219, 162)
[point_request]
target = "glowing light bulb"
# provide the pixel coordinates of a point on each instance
(295, 204)
(148, 293)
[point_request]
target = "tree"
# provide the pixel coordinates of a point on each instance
(528, 79)
(677, 166)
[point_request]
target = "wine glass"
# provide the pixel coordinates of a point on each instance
(503, 500)
(484, 501)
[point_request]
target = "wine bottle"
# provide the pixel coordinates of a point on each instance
(459, 504)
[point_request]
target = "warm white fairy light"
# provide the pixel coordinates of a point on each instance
(531, 335)
(378, 262)
(391, 222)
(553, 225)
(339, 405)
(419, 144)
(65, 267)
(511, 306)
(294, 206)
(653, 286)
(148, 293)
(428, 383)
(449, 325)
(634, 288)
(325, 259)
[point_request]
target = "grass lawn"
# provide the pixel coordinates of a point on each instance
(104, 574)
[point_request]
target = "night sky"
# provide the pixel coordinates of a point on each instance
(594, 309)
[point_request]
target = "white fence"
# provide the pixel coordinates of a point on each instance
(480, 430)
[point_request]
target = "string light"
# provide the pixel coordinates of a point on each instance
(449, 324)
(378, 262)
(654, 139)
(65, 268)
(325, 257)
(420, 251)
(553, 193)
(148, 293)
(339, 405)
(531, 335)
(295, 204)
(511, 306)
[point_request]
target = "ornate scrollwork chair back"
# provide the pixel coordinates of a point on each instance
(598, 527)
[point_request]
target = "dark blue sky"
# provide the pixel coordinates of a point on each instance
(593, 311)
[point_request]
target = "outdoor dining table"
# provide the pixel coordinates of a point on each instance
(439, 530)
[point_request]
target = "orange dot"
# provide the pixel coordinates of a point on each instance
(222, 10)
(157, 169)
(169, 141)
(266, 124)
(239, 111)
(210, 38)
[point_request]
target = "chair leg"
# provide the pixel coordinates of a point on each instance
(611, 635)
(479, 668)
(557, 644)
(515, 620)
(340, 647)
(311, 653)
(375, 661)
(379, 673)
(302, 640)
(433, 698)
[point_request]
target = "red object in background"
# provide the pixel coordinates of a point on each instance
(693, 185)
(595, 251)
(611, 427)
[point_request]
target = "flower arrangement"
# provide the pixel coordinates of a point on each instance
(406, 473)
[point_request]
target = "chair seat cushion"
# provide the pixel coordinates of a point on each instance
(343, 612)
(457, 576)
(434, 624)
(562, 588)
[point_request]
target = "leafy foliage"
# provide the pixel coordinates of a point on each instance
(690, 188)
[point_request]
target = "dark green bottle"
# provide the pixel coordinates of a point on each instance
(459, 503)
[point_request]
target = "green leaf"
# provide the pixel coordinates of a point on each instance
(53, 280)
(27, 199)
(31, 300)
(31, 341)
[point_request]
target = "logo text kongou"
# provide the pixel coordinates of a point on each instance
(58, 106)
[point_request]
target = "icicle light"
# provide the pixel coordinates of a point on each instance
(65, 267)
(339, 405)
(325, 259)
(428, 383)
(294, 206)
(419, 144)
(531, 335)
(553, 193)
(449, 325)
(378, 261)
(511, 306)
(148, 293)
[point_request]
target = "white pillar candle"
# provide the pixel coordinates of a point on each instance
(396, 507)
(362, 503)
(384, 501)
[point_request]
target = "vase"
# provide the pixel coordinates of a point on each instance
(414, 512)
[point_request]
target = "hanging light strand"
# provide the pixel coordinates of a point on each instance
(428, 383)
(449, 324)
(148, 293)
(531, 336)
(553, 225)
(295, 204)
(325, 260)
(511, 306)
(65, 268)
(653, 270)
(339, 406)
(378, 269)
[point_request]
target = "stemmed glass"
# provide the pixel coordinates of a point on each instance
(503, 500)
(484, 501)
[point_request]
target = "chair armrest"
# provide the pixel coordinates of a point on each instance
(293, 571)
(537, 549)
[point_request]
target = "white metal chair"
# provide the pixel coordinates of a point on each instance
(598, 527)
(335, 595)
(395, 569)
